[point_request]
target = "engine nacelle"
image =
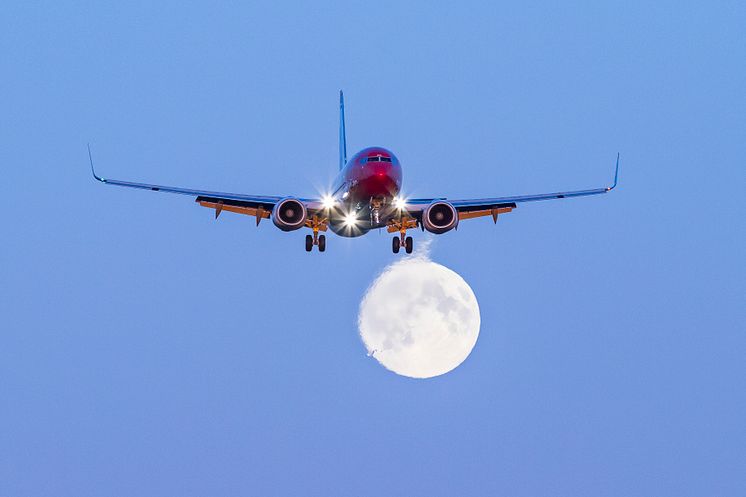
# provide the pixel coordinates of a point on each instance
(289, 214)
(440, 217)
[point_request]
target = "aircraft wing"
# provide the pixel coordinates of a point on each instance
(470, 208)
(252, 205)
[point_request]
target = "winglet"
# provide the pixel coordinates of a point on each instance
(616, 175)
(93, 171)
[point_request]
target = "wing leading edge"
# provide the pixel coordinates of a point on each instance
(469, 208)
(253, 205)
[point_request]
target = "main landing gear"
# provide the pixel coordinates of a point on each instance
(316, 239)
(402, 225)
(398, 241)
(316, 224)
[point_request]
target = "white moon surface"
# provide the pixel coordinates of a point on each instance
(419, 318)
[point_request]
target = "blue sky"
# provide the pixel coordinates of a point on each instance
(147, 350)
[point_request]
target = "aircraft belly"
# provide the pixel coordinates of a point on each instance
(341, 229)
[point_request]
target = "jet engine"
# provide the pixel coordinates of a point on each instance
(289, 214)
(440, 217)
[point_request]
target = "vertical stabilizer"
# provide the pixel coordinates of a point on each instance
(342, 134)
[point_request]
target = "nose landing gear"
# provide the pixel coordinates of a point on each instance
(376, 205)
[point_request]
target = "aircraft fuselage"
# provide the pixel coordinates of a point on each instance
(365, 191)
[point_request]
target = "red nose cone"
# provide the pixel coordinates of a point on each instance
(373, 172)
(381, 169)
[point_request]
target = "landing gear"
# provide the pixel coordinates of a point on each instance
(402, 225)
(316, 224)
(407, 243)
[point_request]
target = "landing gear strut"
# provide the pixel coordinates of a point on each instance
(318, 240)
(402, 240)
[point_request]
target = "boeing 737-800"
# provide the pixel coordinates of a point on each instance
(366, 195)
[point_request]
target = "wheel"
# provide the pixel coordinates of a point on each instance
(322, 243)
(396, 244)
(309, 243)
(409, 244)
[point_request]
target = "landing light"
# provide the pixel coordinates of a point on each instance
(400, 203)
(350, 219)
(328, 202)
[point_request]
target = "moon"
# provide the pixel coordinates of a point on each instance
(419, 318)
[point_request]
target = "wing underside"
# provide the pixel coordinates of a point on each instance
(480, 207)
(259, 206)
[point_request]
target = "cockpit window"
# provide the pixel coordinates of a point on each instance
(377, 158)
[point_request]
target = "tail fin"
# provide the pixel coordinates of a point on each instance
(342, 134)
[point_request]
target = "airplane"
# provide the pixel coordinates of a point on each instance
(366, 195)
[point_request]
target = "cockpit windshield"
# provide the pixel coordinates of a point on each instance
(377, 158)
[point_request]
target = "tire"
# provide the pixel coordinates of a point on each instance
(322, 243)
(409, 244)
(395, 244)
(309, 243)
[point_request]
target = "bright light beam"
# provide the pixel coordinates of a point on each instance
(350, 219)
(328, 202)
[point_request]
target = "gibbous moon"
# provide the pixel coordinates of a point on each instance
(419, 319)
